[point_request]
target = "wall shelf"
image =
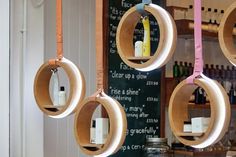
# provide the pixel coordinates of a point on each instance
(217, 153)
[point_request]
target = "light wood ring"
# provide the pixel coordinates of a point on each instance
(167, 42)
(225, 33)
(42, 93)
(220, 111)
(117, 128)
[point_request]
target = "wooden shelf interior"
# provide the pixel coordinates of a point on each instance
(91, 146)
(189, 134)
(139, 58)
(53, 108)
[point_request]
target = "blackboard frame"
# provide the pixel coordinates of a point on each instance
(102, 36)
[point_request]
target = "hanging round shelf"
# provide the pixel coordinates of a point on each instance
(167, 39)
(117, 125)
(41, 88)
(219, 106)
(225, 33)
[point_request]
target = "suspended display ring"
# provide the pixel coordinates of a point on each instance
(117, 126)
(225, 33)
(219, 107)
(41, 88)
(167, 39)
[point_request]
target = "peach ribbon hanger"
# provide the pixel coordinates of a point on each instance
(198, 65)
(59, 34)
(59, 30)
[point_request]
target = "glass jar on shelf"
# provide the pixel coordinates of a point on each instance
(157, 147)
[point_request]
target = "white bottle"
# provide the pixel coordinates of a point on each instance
(62, 96)
(93, 132)
(55, 86)
(138, 49)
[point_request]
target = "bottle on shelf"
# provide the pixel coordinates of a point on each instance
(233, 76)
(62, 96)
(200, 96)
(206, 70)
(176, 70)
(185, 70)
(232, 95)
(212, 71)
(217, 73)
(181, 69)
(190, 68)
(227, 82)
(222, 72)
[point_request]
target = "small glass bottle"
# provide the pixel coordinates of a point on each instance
(157, 147)
(181, 69)
(176, 70)
(206, 70)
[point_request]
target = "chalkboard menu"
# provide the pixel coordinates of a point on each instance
(138, 92)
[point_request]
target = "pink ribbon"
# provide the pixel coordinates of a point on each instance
(198, 65)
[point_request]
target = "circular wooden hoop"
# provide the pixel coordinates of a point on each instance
(225, 33)
(220, 111)
(167, 42)
(41, 87)
(118, 125)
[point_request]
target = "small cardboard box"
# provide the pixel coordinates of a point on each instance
(102, 130)
(200, 124)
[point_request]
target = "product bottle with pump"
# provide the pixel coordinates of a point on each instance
(62, 96)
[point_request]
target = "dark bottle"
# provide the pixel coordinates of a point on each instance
(190, 68)
(231, 95)
(176, 70)
(181, 69)
(198, 96)
(233, 76)
(228, 73)
(217, 73)
(227, 81)
(206, 70)
(233, 73)
(212, 71)
(185, 70)
(222, 72)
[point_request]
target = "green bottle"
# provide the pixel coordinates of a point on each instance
(176, 70)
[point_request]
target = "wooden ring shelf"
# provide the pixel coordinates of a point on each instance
(220, 111)
(117, 128)
(167, 41)
(225, 33)
(42, 94)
